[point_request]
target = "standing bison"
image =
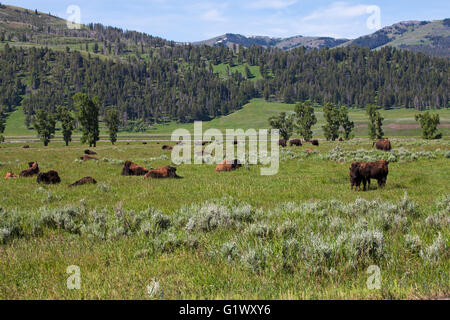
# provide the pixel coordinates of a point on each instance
(384, 145)
(295, 142)
(132, 169)
(365, 171)
(282, 143)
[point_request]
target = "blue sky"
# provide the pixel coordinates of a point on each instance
(192, 20)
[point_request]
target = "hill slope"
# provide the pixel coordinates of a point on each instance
(430, 37)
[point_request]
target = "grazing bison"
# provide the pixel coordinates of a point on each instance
(83, 181)
(228, 165)
(166, 147)
(341, 139)
(10, 175)
(164, 172)
(374, 170)
(295, 142)
(315, 142)
(282, 143)
(31, 171)
(89, 152)
(26, 147)
(87, 158)
(355, 176)
(384, 145)
(50, 177)
(133, 169)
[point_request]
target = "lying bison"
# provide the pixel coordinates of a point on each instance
(31, 171)
(282, 143)
(50, 177)
(89, 152)
(164, 172)
(295, 142)
(166, 147)
(315, 142)
(384, 145)
(26, 147)
(83, 181)
(365, 171)
(10, 175)
(133, 169)
(87, 158)
(228, 165)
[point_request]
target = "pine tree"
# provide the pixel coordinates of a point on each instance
(429, 123)
(112, 120)
(284, 123)
(306, 119)
(44, 123)
(88, 110)
(67, 123)
(2, 124)
(332, 118)
(346, 124)
(375, 122)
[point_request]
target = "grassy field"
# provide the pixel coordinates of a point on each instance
(398, 122)
(301, 234)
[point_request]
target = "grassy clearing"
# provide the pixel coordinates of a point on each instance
(280, 237)
(398, 122)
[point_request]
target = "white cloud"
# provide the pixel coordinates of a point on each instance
(338, 10)
(213, 15)
(271, 4)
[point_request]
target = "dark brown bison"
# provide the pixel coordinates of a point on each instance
(355, 176)
(26, 147)
(228, 165)
(89, 152)
(87, 158)
(50, 177)
(315, 142)
(341, 139)
(144, 142)
(295, 142)
(164, 172)
(83, 181)
(384, 145)
(31, 171)
(282, 143)
(10, 175)
(374, 170)
(133, 169)
(166, 147)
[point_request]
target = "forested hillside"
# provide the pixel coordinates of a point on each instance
(43, 64)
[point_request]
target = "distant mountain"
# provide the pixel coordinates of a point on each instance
(430, 37)
(231, 39)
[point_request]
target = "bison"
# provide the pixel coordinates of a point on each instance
(31, 171)
(341, 139)
(10, 175)
(166, 147)
(89, 152)
(282, 143)
(164, 172)
(228, 165)
(355, 176)
(26, 147)
(315, 142)
(133, 169)
(83, 181)
(50, 177)
(383, 144)
(374, 170)
(87, 158)
(295, 142)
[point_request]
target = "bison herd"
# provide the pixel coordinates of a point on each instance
(360, 172)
